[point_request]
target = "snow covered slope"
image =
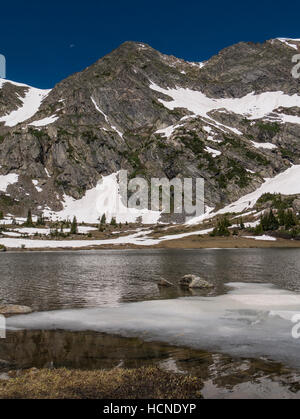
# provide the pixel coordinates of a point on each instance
(251, 106)
(103, 199)
(287, 183)
(31, 103)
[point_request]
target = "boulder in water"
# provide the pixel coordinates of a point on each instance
(9, 309)
(193, 281)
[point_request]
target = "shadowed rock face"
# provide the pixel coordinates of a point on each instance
(108, 117)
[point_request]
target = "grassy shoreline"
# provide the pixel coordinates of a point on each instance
(118, 383)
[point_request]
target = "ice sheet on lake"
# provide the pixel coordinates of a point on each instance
(250, 320)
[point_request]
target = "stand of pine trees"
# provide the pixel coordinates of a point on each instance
(283, 220)
(222, 228)
(74, 228)
(29, 222)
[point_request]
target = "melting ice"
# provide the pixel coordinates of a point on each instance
(250, 320)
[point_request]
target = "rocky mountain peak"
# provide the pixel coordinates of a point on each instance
(233, 120)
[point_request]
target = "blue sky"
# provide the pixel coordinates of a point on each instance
(45, 42)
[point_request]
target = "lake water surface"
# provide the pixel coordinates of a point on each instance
(55, 280)
(101, 309)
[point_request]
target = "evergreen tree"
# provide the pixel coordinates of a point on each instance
(273, 222)
(222, 227)
(269, 221)
(281, 217)
(225, 221)
(242, 225)
(40, 220)
(1, 215)
(113, 222)
(259, 229)
(29, 222)
(102, 223)
(74, 229)
(289, 219)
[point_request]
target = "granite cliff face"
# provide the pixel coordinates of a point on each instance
(233, 120)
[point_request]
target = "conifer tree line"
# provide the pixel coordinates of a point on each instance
(271, 220)
(283, 219)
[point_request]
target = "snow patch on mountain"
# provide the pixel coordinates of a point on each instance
(168, 131)
(36, 182)
(286, 183)
(200, 64)
(6, 180)
(212, 151)
(263, 237)
(251, 106)
(31, 103)
(289, 42)
(106, 118)
(268, 146)
(105, 199)
(45, 121)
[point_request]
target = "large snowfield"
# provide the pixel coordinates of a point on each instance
(251, 106)
(105, 199)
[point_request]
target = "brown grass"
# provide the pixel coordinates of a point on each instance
(150, 383)
(207, 242)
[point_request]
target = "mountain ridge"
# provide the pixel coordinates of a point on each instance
(109, 117)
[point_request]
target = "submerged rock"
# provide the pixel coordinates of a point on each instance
(14, 309)
(164, 283)
(193, 281)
